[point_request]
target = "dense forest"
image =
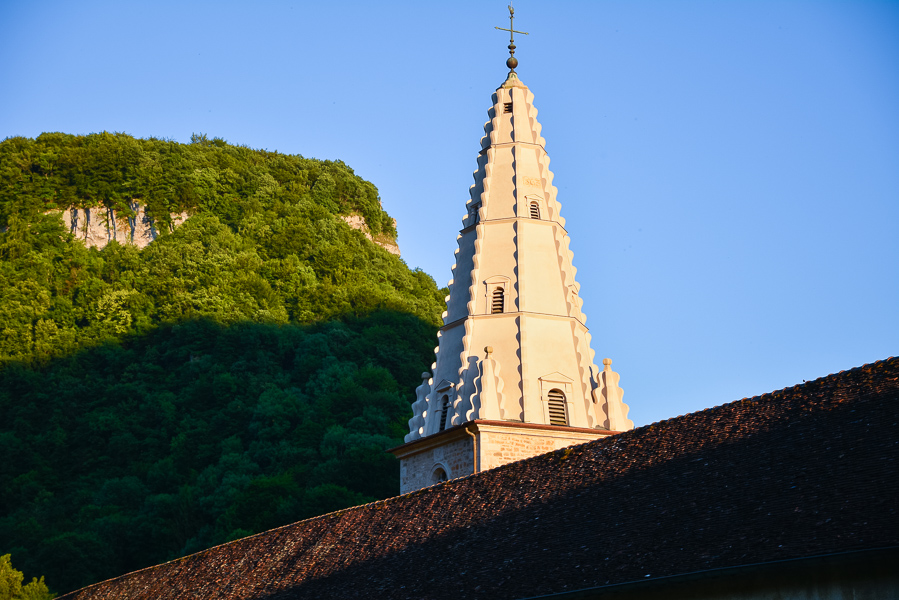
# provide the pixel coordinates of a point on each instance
(245, 370)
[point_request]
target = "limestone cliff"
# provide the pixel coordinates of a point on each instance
(97, 226)
(358, 222)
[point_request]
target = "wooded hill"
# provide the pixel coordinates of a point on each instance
(244, 371)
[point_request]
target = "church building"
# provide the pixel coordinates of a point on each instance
(522, 477)
(515, 373)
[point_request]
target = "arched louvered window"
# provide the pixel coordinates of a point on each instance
(535, 210)
(439, 475)
(443, 411)
(498, 301)
(557, 414)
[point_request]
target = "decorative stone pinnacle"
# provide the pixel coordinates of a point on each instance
(607, 362)
(511, 62)
(488, 349)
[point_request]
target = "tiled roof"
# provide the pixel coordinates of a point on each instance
(804, 471)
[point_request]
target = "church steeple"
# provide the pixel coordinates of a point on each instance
(514, 347)
(514, 289)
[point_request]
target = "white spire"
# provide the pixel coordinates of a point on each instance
(514, 289)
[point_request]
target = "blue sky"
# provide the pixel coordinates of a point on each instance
(729, 171)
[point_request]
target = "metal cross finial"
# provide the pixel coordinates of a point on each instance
(512, 62)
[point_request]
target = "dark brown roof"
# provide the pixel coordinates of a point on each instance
(803, 471)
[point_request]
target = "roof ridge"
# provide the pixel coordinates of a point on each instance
(613, 440)
(777, 392)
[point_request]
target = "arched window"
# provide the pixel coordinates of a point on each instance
(557, 414)
(535, 210)
(496, 306)
(438, 476)
(443, 411)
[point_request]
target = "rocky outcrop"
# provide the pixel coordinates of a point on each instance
(97, 226)
(358, 222)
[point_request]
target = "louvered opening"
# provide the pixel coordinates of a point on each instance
(557, 408)
(507, 107)
(498, 301)
(535, 210)
(474, 212)
(443, 412)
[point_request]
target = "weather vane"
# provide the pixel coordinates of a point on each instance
(512, 62)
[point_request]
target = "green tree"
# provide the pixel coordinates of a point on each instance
(11, 587)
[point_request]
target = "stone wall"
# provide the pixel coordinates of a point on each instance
(499, 443)
(454, 454)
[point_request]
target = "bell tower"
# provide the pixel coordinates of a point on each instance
(514, 374)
